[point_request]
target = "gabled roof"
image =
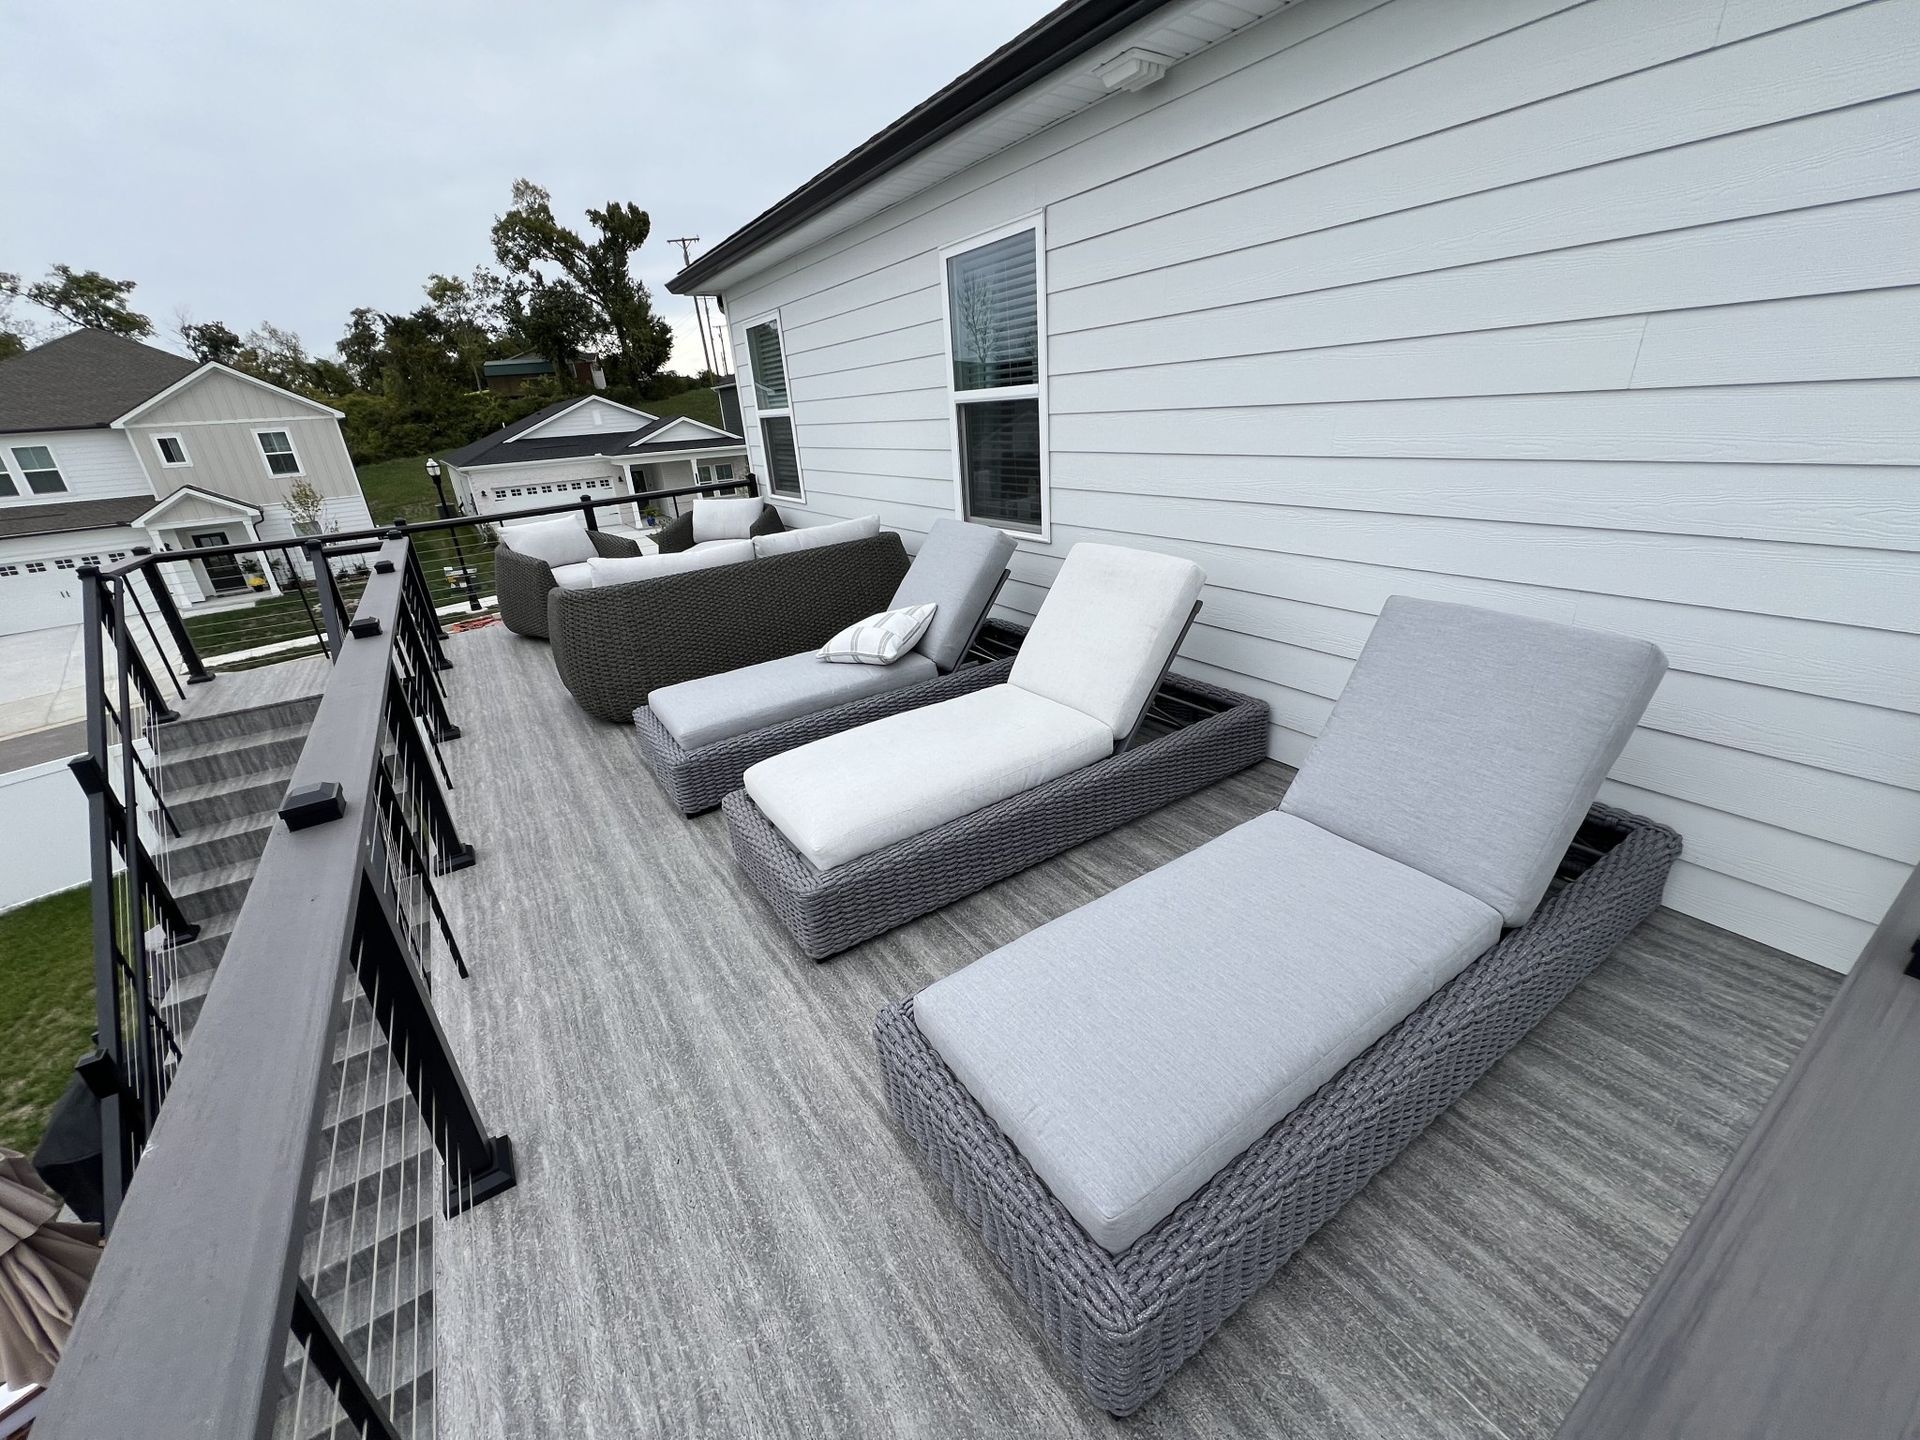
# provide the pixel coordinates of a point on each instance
(62, 515)
(681, 428)
(82, 380)
(214, 367)
(195, 492)
(502, 448)
(641, 417)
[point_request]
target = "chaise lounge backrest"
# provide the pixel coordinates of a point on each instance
(1108, 626)
(958, 569)
(1470, 743)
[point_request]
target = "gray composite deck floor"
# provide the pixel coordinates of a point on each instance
(718, 1230)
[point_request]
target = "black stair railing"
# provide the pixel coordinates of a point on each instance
(318, 1123)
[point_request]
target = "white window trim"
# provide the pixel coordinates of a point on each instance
(19, 485)
(185, 462)
(17, 472)
(1037, 223)
(300, 467)
(768, 493)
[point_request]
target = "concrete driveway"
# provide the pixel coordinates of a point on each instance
(42, 680)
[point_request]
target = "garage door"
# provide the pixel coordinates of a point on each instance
(37, 595)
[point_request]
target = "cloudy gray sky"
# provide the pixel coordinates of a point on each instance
(286, 160)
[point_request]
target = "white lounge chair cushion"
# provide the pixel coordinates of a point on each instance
(879, 639)
(1110, 620)
(958, 567)
(851, 794)
(725, 519)
(1469, 743)
(718, 707)
(811, 537)
(562, 541)
(1132, 1048)
(578, 576)
(625, 569)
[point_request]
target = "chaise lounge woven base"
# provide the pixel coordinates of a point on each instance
(828, 910)
(698, 780)
(1124, 1323)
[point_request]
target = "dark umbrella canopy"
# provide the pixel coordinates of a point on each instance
(45, 1265)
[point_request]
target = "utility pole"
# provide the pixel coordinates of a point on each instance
(686, 244)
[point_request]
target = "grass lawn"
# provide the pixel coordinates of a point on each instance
(46, 1009)
(697, 404)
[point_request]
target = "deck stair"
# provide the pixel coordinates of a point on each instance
(368, 1254)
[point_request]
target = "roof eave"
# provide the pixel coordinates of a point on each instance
(1047, 46)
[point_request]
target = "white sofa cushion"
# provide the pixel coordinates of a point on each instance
(1469, 743)
(578, 576)
(879, 639)
(1110, 620)
(811, 537)
(625, 569)
(725, 519)
(851, 794)
(718, 707)
(563, 541)
(1132, 1048)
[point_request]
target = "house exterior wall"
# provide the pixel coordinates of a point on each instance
(1605, 312)
(217, 418)
(96, 465)
(593, 417)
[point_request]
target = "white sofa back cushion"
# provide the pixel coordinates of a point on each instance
(563, 541)
(726, 519)
(624, 570)
(787, 542)
(1105, 630)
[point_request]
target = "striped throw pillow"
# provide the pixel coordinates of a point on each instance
(880, 639)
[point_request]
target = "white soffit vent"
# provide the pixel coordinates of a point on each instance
(1133, 69)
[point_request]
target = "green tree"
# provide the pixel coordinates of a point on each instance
(360, 347)
(528, 237)
(85, 299)
(276, 356)
(559, 322)
(211, 340)
(470, 313)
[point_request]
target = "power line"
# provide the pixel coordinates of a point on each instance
(686, 244)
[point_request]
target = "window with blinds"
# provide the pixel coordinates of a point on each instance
(995, 324)
(767, 363)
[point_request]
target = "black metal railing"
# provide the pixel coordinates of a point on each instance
(452, 557)
(144, 655)
(318, 1124)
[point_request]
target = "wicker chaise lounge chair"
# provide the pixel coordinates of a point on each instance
(700, 737)
(534, 557)
(615, 644)
(1148, 1105)
(856, 833)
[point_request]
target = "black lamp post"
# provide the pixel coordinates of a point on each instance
(447, 513)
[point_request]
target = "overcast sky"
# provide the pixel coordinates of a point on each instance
(287, 160)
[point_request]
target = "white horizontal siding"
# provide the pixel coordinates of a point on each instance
(1607, 312)
(95, 464)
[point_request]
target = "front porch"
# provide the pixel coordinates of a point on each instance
(718, 1229)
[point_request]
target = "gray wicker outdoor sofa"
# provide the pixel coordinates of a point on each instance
(715, 608)
(556, 552)
(1148, 1105)
(700, 737)
(853, 834)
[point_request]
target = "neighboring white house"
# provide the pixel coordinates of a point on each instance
(591, 445)
(1608, 312)
(107, 444)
